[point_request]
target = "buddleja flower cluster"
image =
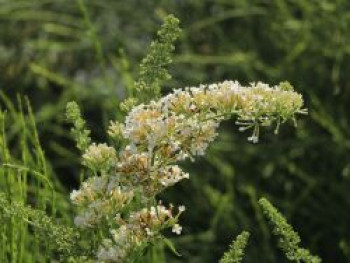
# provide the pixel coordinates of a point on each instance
(121, 196)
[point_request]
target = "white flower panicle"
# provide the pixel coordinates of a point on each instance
(157, 135)
(100, 197)
(141, 226)
(189, 118)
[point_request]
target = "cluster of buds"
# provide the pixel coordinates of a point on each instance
(100, 157)
(178, 126)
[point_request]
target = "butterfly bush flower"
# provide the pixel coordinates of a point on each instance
(156, 136)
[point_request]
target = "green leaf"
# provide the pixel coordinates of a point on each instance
(171, 246)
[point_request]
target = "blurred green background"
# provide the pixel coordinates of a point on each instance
(54, 51)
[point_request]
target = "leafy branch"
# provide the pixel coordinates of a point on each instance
(153, 72)
(289, 239)
(62, 237)
(236, 252)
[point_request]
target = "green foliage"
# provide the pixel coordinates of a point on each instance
(153, 71)
(288, 239)
(26, 179)
(79, 131)
(236, 252)
(63, 239)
